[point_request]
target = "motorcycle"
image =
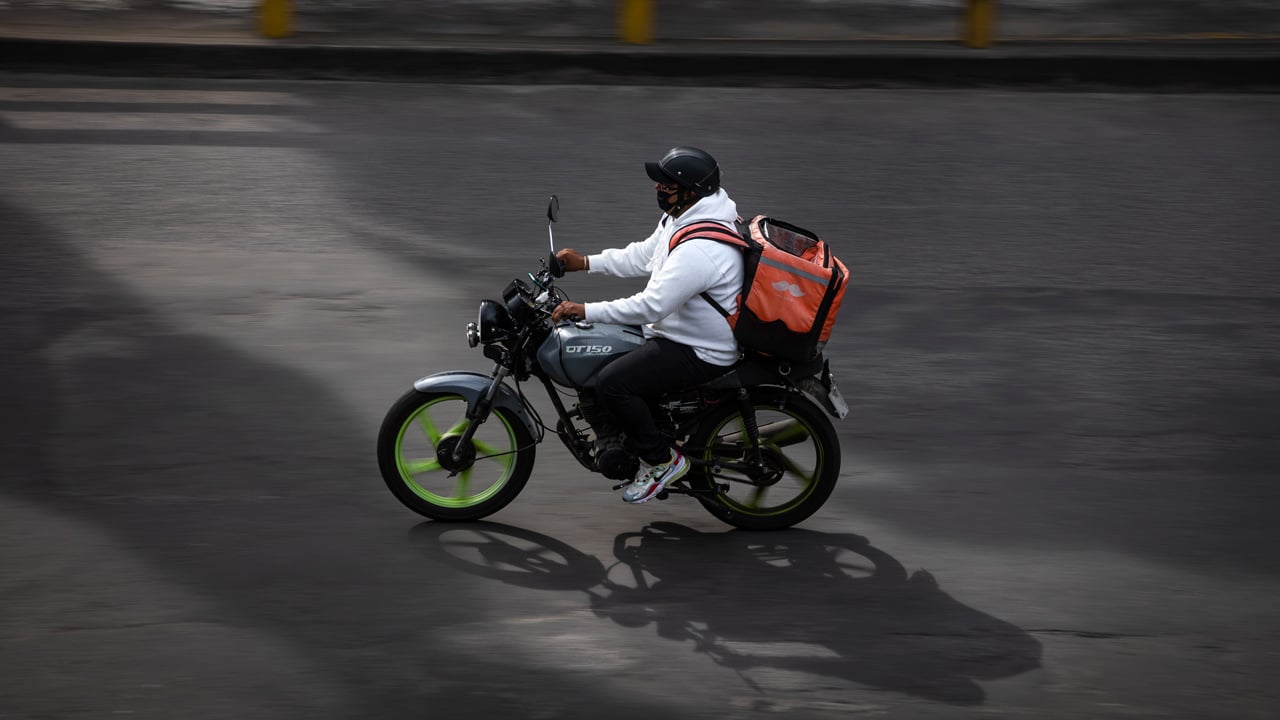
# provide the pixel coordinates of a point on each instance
(460, 445)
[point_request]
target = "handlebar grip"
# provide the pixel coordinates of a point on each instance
(554, 264)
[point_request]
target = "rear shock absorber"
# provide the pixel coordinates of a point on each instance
(749, 423)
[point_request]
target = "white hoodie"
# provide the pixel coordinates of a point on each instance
(670, 305)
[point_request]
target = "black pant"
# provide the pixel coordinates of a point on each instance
(626, 384)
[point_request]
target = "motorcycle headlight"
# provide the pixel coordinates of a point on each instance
(494, 323)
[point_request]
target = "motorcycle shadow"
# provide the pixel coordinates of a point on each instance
(794, 600)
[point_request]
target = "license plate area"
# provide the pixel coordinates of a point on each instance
(833, 393)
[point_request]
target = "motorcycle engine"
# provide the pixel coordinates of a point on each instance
(612, 459)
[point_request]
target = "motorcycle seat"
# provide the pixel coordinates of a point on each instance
(754, 369)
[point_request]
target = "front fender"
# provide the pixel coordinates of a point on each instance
(472, 386)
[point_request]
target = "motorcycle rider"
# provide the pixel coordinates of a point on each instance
(687, 341)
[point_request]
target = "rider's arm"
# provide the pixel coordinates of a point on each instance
(634, 260)
(681, 277)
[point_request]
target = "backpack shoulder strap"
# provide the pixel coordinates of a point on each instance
(707, 231)
(719, 308)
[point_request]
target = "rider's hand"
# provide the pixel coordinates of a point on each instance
(572, 259)
(568, 311)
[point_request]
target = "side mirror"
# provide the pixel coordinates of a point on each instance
(553, 263)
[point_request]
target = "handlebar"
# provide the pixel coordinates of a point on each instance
(542, 297)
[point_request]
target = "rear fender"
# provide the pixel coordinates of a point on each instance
(472, 386)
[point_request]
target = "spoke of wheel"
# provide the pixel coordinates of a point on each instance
(757, 495)
(416, 467)
(464, 479)
(428, 427)
(796, 470)
(435, 434)
(501, 457)
(791, 434)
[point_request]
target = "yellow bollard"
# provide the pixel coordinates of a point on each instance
(277, 18)
(635, 21)
(979, 22)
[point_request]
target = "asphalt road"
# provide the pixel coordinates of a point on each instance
(1058, 479)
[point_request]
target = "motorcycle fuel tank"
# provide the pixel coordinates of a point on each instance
(573, 354)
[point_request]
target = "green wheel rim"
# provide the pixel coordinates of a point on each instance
(419, 470)
(791, 443)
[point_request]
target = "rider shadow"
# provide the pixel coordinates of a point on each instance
(793, 600)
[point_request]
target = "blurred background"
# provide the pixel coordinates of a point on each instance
(804, 20)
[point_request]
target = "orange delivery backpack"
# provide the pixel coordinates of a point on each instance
(792, 286)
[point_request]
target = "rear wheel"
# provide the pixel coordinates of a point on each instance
(800, 451)
(415, 454)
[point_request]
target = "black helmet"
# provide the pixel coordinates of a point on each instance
(688, 167)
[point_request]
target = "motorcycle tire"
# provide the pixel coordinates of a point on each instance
(414, 454)
(798, 443)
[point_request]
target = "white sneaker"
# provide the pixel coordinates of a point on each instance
(653, 479)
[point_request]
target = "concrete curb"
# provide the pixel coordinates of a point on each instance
(1213, 66)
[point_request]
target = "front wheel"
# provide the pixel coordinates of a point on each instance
(415, 455)
(800, 451)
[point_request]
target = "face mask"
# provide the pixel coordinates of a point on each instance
(665, 203)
